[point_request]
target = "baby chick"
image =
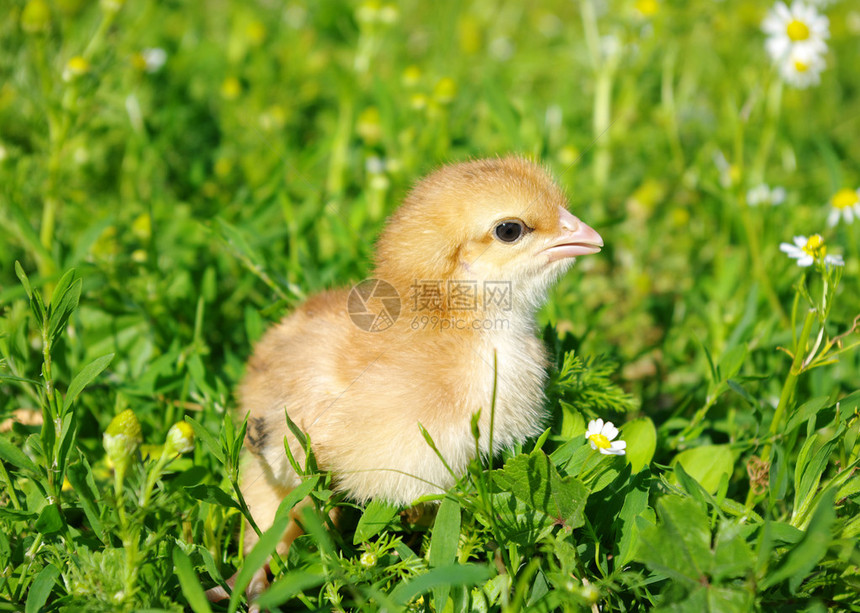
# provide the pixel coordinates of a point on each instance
(461, 269)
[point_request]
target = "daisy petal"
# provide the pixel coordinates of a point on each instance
(609, 431)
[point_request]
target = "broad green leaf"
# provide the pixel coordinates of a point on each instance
(446, 533)
(731, 362)
(296, 495)
(41, 588)
(84, 377)
(518, 522)
(691, 486)
(534, 479)
(607, 472)
(65, 300)
(37, 306)
(679, 546)
(213, 494)
(81, 477)
(572, 422)
(68, 436)
(452, 576)
(635, 503)
(727, 600)
(377, 514)
(806, 555)
(732, 555)
(15, 456)
(807, 474)
(25, 280)
(204, 435)
(641, 437)
(707, 464)
(190, 584)
(15, 515)
(778, 477)
(802, 413)
(50, 520)
(571, 456)
(443, 544)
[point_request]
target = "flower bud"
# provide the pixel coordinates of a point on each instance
(180, 439)
(121, 440)
(368, 559)
(231, 88)
(445, 91)
(36, 17)
(75, 67)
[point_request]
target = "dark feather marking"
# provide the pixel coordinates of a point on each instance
(257, 434)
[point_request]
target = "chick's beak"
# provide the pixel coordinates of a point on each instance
(574, 238)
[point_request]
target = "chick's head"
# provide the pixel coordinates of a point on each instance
(499, 220)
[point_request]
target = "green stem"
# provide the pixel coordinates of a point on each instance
(667, 96)
(54, 418)
(787, 389)
(794, 373)
(151, 478)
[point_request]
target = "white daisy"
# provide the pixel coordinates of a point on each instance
(807, 250)
(801, 68)
(800, 27)
(154, 59)
(600, 436)
(845, 205)
(763, 194)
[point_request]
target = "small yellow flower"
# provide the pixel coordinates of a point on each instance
(411, 76)
(418, 101)
(369, 125)
(445, 91)
(809, 250)
(36, 17)
(845, 205)
(647, 8)
(601, 436)
(256, 32)
(75, 67)
(368, 559)
(231, 88)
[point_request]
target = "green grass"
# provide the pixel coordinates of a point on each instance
(165, 218)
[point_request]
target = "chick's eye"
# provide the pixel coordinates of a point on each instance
(509, 231)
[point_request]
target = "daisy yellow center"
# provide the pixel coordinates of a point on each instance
(600, 440)
(648, 8)
(800, 66)
(78, 65)
(797, 30)
(815, 246)
(845, 198)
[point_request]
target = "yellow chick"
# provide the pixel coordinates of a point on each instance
(461, 269)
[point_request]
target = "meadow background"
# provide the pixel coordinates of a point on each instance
(203, 167)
